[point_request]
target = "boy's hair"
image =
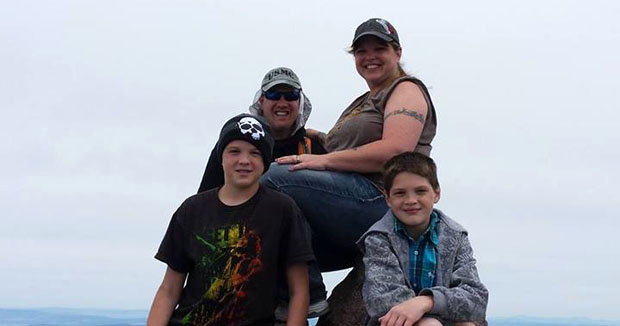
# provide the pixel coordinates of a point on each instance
(410, 162)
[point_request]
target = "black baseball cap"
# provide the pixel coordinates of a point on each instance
(378, 27)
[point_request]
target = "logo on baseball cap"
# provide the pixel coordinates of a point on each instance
(378, 27)
(280, 75)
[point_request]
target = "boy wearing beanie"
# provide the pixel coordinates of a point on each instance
(226, 247)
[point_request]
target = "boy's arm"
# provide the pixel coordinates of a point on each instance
(166, 298)
(297, 277)
(466, 298)
(385, 285)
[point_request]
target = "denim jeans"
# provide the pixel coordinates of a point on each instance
(338, 206)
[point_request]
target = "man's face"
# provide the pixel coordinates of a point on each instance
(242, 163)
(412, 198)
(280, 113)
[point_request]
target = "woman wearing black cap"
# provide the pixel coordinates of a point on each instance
(394, 116)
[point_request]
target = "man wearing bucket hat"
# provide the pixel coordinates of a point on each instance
(282, 102)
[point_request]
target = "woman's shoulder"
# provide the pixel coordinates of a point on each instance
(407, 79)
(408, 84)
(405, 86)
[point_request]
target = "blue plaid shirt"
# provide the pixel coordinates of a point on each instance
(422, 254)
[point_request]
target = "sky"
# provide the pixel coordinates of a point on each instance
(109, 110)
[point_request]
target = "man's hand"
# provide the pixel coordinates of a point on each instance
(408, 312)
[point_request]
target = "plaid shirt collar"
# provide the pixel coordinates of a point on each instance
(400, 229)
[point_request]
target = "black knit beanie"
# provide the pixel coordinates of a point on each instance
(253, 129)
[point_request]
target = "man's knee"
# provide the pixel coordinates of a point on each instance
(275, 173)
(279, 177)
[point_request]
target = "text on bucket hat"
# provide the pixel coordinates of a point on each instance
(253, 129)
(378, 27)
(280, 75)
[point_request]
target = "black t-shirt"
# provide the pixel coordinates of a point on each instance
(233, 256)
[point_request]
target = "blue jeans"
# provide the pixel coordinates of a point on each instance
(338, 206)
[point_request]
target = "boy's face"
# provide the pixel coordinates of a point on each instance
(242, 163)
(411, 198)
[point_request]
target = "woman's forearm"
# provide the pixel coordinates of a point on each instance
(366, 158)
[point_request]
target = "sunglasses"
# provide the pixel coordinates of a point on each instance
(277, 95)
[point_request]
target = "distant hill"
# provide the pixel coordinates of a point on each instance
(536, 321)
(106, 317)
(71, 317)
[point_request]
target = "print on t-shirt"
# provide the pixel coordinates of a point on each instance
(231, 258)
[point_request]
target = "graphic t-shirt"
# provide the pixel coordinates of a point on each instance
(233, 256)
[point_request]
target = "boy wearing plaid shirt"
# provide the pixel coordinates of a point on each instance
(419, 265)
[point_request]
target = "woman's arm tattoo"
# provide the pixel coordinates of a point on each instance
(411, 113)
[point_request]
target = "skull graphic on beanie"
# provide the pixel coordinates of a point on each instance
(253, 129)
(249, 125)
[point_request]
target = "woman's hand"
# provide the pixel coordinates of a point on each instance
(304, 161)
(408, 312)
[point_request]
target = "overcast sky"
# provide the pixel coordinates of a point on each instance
(109, 110)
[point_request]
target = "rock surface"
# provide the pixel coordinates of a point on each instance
(345, 303)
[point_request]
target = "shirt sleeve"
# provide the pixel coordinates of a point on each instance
(297, 237)
(173, 247)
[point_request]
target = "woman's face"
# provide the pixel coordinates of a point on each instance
(375, 60)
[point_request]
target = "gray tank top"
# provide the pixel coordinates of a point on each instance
(362, 123)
